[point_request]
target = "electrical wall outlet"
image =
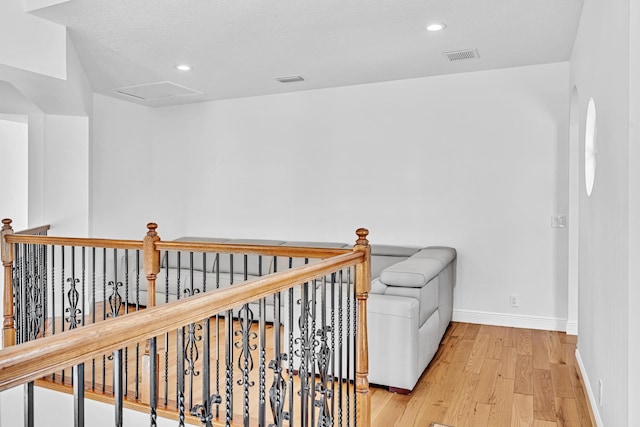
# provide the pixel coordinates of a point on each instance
(514, 301)
(559, 221)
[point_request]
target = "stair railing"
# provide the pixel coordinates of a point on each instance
(315, 378)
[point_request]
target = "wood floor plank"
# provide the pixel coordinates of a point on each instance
(544, 405)
(494, 349)
(486, 381)
(510, 337)
(501, 403)
(472, 331)
(539, 350)
(540, 423)
(524, 375)
(478, 351)
(478, 415)
(584, 407)
(523, 343)
(560, 375)
(508, 362)
(461, 403)
(567, 412)
(522, 412)
(555, 348)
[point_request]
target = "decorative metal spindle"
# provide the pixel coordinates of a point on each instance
(73, 295)
(93, 311)
(153, 386)
(84, 287)
(180, 377)
(29, 416)
(312, 349)
(43, 269)
(355, 348)
(332, 377)
(62, 249)
(290, 352)
(262, 343)
(191, 350)
(117, 386)
(216, 266)
(340, 339)
(278, 391)
(166, 335)
(304, 354)
(204, 412)
(229, 354)
(53, 296)
(78, 395)
(325, 415)
(104, 313)
(349, 347)
(137, 382)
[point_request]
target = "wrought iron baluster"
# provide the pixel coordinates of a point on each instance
(73, 295)
(340, 357)
(262, 344)
(43, 269)
(117, 386)
(84, 286)
(180, 377)
(333, 345)
(153, 386)
(216, 268)
(78, 395)
(278, 391)
(62, 296)
(324, 357)
(166, 335)
(154, 379)
(29, 416)
(355, 347)
(93, 311)
(104, 313)
(349, 348)
(290, 352)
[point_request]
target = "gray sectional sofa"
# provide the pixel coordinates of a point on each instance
(409, 307)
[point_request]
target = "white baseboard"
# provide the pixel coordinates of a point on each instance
(572, 327)
(513, 320)
(589, 390)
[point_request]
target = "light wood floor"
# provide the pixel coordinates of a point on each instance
(481, 376)
(492, 376)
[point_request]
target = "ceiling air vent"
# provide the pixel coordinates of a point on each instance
(156, 90)
(460, 55)
(290, 79)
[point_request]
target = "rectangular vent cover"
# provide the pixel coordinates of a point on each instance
(156, 90)
(461, 55)
(290, 79)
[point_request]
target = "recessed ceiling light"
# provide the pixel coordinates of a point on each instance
(436, 26)
(183, 67)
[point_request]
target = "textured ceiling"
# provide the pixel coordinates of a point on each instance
(238, 47)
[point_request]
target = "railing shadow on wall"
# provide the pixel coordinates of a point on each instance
(201, 332)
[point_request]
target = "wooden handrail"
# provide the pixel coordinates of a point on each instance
(284, 251)
(35, 230)
(75, 241)
(35, 359)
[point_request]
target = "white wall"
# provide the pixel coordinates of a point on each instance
(600, 69)
(30, 43)
(14, 172)
(467, 160)
(122, 158)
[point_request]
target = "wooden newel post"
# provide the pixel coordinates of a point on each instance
(363, 286)
(151, 265)
(6, 249)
